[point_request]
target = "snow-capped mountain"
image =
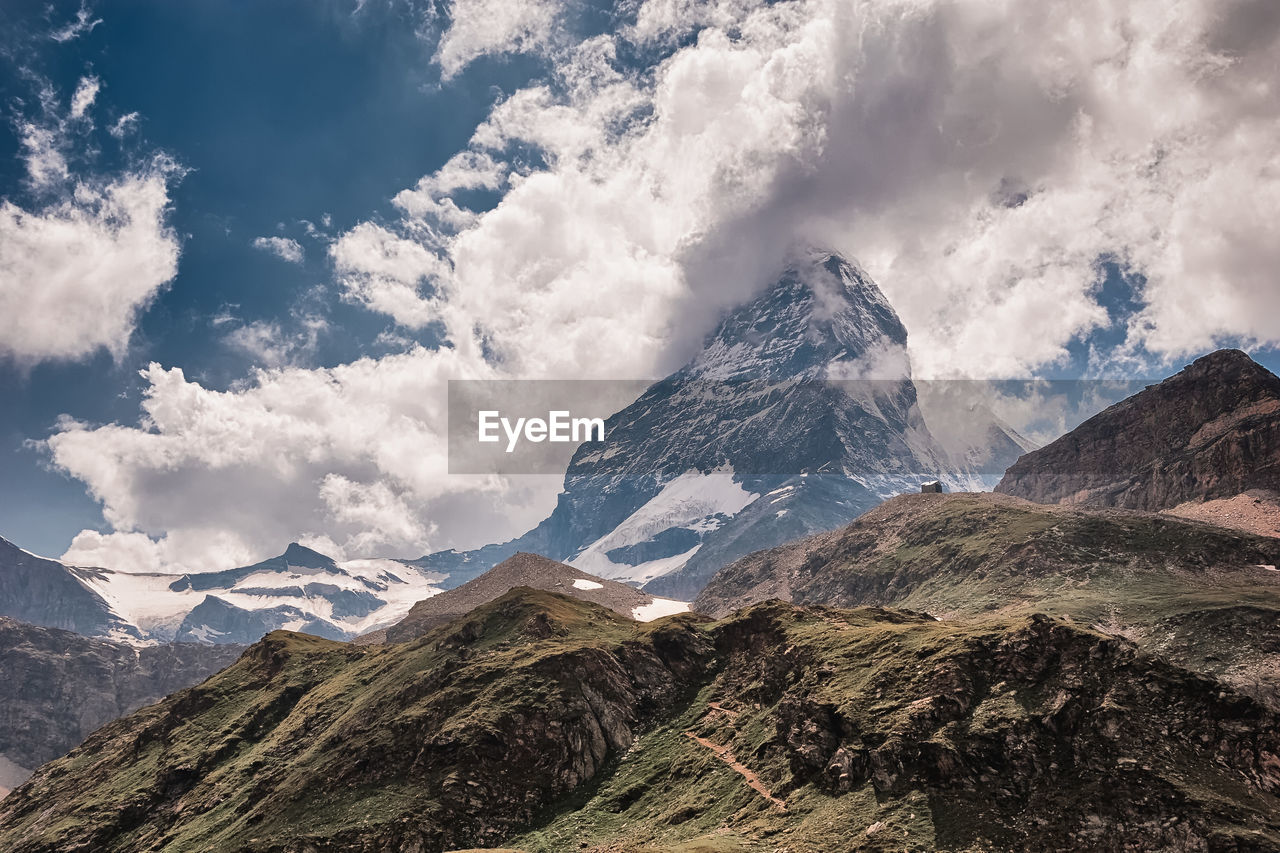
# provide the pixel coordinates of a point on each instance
(300, 590)
(797, 415)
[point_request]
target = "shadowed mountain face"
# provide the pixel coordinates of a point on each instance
(544, 723)
(1203, 596)
(1210, 431)
(44, 592)
(776, 429)
(60, 686)
(536, 572)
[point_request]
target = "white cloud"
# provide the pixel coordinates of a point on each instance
(269, 345)
(74, 274)
(83, 23)
(83, 97)
(388, 273)
(979, 158)
(42, 150)
(354, 453)
(123, 125)
(480, 27)
(282, 247)
(88, 253)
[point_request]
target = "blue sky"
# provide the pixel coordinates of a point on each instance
(281, 112)
(600, 182)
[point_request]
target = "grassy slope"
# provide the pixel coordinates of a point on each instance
(1190, 591)
(292, 738)
(945, 719)
(1030, 734)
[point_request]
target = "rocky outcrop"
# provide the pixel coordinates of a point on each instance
(543, 724)
(1210, 431)
(59, 687)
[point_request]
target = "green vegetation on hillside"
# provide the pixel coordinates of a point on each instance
(1197, 594)
(541, 723)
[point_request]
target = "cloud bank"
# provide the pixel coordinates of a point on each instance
(982, 160)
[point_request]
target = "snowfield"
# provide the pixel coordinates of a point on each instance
(691, 501)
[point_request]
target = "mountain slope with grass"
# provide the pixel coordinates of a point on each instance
(542, 723)
(1206, 597)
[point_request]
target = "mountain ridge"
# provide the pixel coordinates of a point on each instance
(867, 728)
(1210, 431)
(532, 571)
(300, 589)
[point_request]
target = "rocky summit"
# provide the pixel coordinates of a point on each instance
(1211, 431)
(541, 723)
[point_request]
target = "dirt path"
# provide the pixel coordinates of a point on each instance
(716, 706)
(726, 755)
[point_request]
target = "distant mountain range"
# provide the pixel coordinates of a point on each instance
(797, 415)
(300, 590)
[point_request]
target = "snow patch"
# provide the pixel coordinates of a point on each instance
(658, 608)
(690, 500)
(583, 583)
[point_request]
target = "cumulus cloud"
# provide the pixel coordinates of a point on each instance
(282, 247)
(981, 160)
(88, 252)
(353, 454)
(75, 273)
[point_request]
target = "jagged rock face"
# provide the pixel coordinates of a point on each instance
(852, 730)
(1210, 431)
(750, 444)
(59, 687)
(44, 592)
(1205, 597)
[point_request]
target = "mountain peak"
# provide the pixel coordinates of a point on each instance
(524, 570)
(304, 557)
(1231, 365)
(823, 311)
(1210, 431)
